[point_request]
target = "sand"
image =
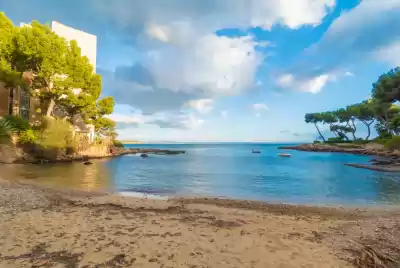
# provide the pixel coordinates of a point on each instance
(43, 227)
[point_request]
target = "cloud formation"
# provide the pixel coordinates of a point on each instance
(365, 32)
(175, 120)
(184, 55)
(202, 106)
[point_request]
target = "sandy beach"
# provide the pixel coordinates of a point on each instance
(42, 227)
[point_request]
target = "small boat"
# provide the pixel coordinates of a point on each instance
(284, 155)
(256, 151)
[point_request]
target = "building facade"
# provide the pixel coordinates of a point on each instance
(18, 102)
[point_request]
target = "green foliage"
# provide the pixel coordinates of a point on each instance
(7, 130)
(393, 143)
(106, 105)
(28, 136)
(317, 142)
(387, 88)
(19, 123)
(55, 134)
(58, 69)
(118, 144)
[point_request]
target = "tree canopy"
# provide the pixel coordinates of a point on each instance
(59, 74)
(381, 109)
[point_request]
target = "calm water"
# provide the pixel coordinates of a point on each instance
(228, 170)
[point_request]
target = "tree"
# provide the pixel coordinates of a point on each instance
(383, 112)
(387, 88)
(343, 116)
(329, 118)
(315, 118)
(365, 114)
(394, 124)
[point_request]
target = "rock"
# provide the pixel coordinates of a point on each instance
(88, 163)
(144, 155)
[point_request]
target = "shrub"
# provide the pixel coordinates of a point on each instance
(393, 143)
(118, 144)
(55, 133)
(6, 131)
(28, 137)
(316, 142)
(19, 123)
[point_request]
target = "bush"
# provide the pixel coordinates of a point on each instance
(393, 143)
(56, 134)
(316, 142)
(28, 137)
(118, 144)
(19, 123)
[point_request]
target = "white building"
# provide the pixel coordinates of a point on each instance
(87, 42)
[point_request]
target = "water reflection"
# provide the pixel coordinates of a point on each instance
(93, 177)
(230, 171)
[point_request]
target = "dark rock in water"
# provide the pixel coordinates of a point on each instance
(256, 151)
(88, 163)
(144, 155)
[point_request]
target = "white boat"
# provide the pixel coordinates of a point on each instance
(284, 155)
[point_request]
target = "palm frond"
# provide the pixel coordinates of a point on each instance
(7, 129)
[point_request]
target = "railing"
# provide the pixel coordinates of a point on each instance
(84, 144)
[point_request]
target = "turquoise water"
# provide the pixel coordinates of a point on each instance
(232, 171)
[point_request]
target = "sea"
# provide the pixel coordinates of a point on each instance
(226, 170)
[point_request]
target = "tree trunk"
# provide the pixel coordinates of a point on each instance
(50, 107)
(368, 128)
(11, 101)
(319, 132)
(354, 129)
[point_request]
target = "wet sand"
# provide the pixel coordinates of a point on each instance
(42, 227)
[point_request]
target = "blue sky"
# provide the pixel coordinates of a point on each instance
(235, 70)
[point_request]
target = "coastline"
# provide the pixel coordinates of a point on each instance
(47, 227)
(389, 161)
(114, 152)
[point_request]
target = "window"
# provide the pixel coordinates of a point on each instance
(24, 104)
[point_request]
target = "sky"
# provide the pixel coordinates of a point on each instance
(237, 70)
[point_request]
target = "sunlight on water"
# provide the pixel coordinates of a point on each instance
(225, 170)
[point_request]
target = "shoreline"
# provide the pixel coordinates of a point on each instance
(75, 228)
(388, 162)
(114, 152)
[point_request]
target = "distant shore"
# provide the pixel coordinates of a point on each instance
(388, 161)
(44, 227)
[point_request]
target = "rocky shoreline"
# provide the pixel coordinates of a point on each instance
(388, 161)
(114, 152)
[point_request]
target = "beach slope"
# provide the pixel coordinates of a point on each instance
(44, 227)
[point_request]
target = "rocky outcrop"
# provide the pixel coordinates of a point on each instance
(384, 168)
(388, 161)
(38, 157)
(337, 149)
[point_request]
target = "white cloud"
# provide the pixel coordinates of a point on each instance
(260, 106)
(183, 53)
(173, 120)
(220, 13)
(157, 32)
(127, 119)
(214, 65)
(348, 74)
(390, 54)
(366, 32)
(202, 105)
(312, 85)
